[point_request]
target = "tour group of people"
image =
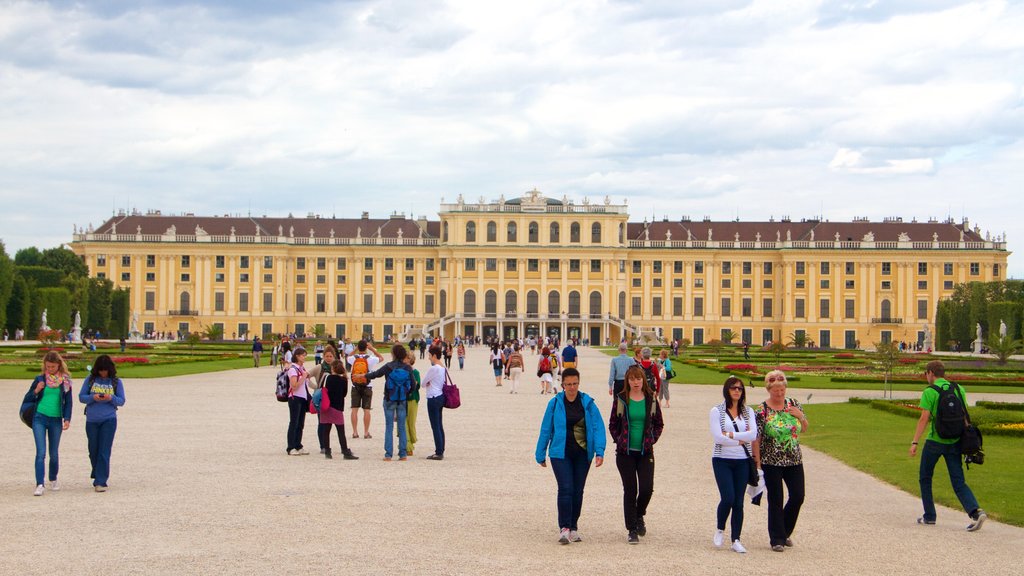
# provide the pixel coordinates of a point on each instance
(322, 389)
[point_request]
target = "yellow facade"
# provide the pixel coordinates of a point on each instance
(533, 265)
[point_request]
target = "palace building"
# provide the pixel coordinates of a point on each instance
(535, 265)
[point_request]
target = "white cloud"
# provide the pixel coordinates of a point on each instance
(719, 108)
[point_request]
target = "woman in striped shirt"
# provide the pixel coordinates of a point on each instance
(734, 428)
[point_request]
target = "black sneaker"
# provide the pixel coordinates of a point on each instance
(633, 538)
(923, 520)
(435, 457)
(349, 455)
(977, 519)
(641, 527)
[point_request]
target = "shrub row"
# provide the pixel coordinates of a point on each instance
(1013, 406)
(900, 408)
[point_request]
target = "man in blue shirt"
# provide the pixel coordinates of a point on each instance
(617, 373)
(569, 357)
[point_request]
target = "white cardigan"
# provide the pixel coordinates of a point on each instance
(720, 423)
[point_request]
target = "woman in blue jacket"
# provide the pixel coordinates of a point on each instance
(571, 434)
(50, 392)
(102, 393)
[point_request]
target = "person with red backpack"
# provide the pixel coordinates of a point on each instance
(947, 402)
(362, 362)
(545, 371)
(651, 371)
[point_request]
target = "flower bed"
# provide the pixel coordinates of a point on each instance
(130, 360)
(44, 350)
(844, 356)
(741, 367)
(140, 346)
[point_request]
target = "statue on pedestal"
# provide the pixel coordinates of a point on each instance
(1002, 329)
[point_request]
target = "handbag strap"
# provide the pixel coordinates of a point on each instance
(733, 420)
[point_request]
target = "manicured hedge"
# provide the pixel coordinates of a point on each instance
(1013, 406)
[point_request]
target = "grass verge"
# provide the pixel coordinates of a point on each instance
(844, 430)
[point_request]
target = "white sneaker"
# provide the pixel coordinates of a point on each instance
(737, 547)
(302, 452)
(718, 539)
(55, 486)
(574, 536)
(563, 536)
(39, 490)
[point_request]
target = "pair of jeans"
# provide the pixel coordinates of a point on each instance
(731, 477)
(297, 408)
(101, 441)
(462, 362)
(323, 432)
(782, 518)
(929, 458)
(435, 406)
(571, 476)
(47, 427)
(637, 472)
(394, 413)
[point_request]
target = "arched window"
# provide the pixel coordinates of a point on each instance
(469, 302)
(184, 301)
(574, 303)
(444, 303)
(554, 233)
(492, 232)
(444, 232)
(554, 303)
(886, 309)
(595, 233)
(470, 231)
(595, 302)
(531, 302)
(490, 302)
(534, 232)
(574, 232)
(511, 305)
(622, 305)
(512, 232)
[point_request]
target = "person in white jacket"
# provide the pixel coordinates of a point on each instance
(733, 427)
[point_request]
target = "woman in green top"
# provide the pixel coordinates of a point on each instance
(51, 394)
(636, 425)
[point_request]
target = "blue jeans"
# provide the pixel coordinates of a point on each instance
(571, 476)
(731, 476)
(929, 458)
(101, 440)
(435, 406)
(394, 413)
(462, 362)
(42, 427)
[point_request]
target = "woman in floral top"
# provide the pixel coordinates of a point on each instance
(780, 420)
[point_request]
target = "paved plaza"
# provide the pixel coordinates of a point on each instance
(201, 484)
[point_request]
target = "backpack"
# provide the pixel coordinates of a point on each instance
(283, 386)
(360, 366)
(950, 415)
(544, 367)
(649, 375)
(398, 384)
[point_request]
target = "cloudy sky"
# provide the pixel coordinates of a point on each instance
(720, 108)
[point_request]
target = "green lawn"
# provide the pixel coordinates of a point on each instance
(17, 372)
(876, 442)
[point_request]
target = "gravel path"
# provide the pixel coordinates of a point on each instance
(201, 484)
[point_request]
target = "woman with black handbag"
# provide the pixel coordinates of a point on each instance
(733, 426)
